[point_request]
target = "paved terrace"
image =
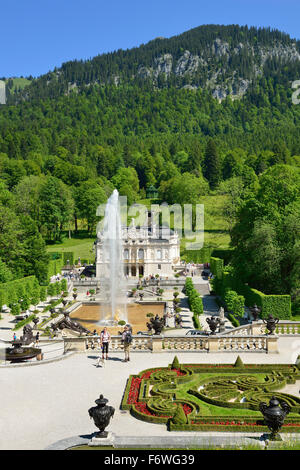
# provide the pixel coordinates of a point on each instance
(49, 402)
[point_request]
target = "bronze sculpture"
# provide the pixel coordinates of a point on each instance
(66, 322)
(101, 415)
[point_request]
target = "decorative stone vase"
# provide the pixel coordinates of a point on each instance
(255, 312)
(213, 324)
(157, 324)
(274, 416)
(101, 415)
(271, 323)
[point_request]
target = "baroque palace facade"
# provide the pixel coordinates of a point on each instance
(146, 251)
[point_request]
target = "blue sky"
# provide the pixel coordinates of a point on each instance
(37, 35)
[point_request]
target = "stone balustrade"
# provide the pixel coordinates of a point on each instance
(283, 327)
(154, 344)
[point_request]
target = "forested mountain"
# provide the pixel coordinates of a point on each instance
(224, 59)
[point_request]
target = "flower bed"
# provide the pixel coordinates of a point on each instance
(155, 395)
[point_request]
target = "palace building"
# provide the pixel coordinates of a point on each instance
(146, 251)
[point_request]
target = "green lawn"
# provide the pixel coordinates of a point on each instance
(82, 247)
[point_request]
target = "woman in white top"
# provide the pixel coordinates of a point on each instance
(105, 339)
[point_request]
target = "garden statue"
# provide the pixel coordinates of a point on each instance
(222, 320)
(255, 312)
(66, 322)
(27, 336)
(271, 323)
(141, 294)
(274, 416)
(101, 415)
(213, 324)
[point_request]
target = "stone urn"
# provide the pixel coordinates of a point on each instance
(101, 415)
(35, 321)
(271, 323)
(274, 416)
(213, 324)
(74, 296)
(157, 324)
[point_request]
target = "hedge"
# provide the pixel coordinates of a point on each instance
(12, 291)
(68, 256)
(216, 267)
(234, 302)
(204, 254)
(55, 266)
(276, 305)
(24, 322)
(194, 300)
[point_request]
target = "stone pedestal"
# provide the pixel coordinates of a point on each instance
(272, 346)
(156, 344)
(102, 441)
(213, 344)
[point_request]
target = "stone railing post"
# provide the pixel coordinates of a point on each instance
(213, 343)
(272, 344)
(256, 328)
(156, 343)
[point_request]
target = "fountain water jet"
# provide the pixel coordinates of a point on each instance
(112, 281)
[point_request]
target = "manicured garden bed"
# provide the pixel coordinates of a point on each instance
(211, 397)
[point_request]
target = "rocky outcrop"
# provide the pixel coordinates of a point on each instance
(207, 64)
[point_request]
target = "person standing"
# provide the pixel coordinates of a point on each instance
(105, 339)
(126, 340)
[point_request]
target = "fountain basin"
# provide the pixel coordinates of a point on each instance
(20, 353)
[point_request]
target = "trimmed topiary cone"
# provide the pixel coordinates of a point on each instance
(239, 363)
(179, 416)
(175, 363)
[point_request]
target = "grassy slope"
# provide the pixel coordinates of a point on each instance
(20, 83)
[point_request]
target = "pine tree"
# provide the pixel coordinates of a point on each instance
(212, 165)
